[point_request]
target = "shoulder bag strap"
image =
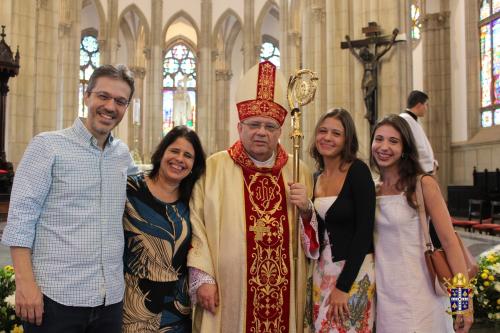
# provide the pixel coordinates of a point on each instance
(422, 215)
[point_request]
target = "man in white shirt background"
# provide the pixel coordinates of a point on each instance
(416, 106)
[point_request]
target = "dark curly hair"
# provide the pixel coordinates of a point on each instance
(187, 184)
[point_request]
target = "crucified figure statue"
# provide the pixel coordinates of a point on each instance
(370, 60)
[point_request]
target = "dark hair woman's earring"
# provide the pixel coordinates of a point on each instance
(403, 156)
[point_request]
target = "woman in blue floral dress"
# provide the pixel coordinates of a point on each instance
(158, 235)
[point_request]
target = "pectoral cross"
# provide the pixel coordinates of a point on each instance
(259, 229)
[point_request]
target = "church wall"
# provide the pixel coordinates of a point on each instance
(417, 66)
(458, 72)
(104, 6)
(474, 146)
(270, 26)
(122, 53)
(480, 155)
(311, 38)
(237, 70)
(144, 5)
(259, 4)
(171, 7)
(122, 57)
(219, 7)
(31, 103)
(181, 27)
(89, 18)
(5, 19)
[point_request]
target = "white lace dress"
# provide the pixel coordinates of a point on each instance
(405, 299)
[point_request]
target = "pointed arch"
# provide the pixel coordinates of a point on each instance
(142, 19)
(270, 4)
(222, 20)
(102, 18)
(230, 33)
(180, 14)
(267, 38)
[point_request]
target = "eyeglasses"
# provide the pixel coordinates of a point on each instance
(255, 125)
(119, 101)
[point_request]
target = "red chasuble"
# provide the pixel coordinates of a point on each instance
(268, 238)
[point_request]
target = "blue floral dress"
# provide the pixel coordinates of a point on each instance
(157, 238)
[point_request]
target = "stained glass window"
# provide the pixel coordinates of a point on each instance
(89, 61)
(179, 87)
(485, 9)
(489, 30)
(270, 51)
(486, 119)
(496, 6)
(496, 117)
(416, 24)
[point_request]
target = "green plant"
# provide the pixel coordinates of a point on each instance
(8, 320)
(487, 291)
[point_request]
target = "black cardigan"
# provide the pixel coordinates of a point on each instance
(350, 221)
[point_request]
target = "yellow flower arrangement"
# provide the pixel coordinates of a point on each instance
(487, 291)
(8, 320)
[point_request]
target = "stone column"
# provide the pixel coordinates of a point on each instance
(222, 107)
(319, 64)
(152, 105)
(314, 59)
(437, 84)
(290, 56)
(472, 70)
(109, 42)
(205, 119)
(46, 67)
(139, 74)
(21, 103)
(249, 38)
(68, 63)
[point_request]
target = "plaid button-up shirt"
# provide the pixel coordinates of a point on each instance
(67, 205)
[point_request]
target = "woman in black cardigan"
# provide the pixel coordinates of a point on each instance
(337, 229)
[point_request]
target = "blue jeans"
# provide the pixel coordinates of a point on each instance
(58, 318)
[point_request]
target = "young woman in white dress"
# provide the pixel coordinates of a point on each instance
(406, 301)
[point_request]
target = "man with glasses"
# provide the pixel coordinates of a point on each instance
(64, 225)
(241, 261)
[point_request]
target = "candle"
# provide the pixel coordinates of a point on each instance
(136, 116)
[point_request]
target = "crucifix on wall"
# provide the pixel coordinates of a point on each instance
(369, 51)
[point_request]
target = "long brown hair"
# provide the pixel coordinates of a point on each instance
(351, 145)
(409, 166)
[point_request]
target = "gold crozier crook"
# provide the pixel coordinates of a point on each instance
(301, 90)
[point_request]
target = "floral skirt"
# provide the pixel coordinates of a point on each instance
(361, 301)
